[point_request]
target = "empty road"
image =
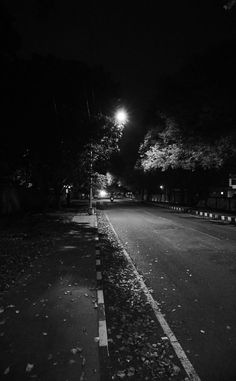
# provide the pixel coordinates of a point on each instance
(190, 264)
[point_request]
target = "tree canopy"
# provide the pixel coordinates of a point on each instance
(193, 123)
(52, 111)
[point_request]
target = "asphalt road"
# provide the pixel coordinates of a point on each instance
(190, 263)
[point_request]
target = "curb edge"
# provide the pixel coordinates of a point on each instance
(102, 324)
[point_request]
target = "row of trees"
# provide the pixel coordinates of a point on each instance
(53, 113)
(190, 138)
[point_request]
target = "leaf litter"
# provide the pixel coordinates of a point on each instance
(20, 239)
(137, 350)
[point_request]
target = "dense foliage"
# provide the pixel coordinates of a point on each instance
(53, 113)
(172, 149)
(193, 120)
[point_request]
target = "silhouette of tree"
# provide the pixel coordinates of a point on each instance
(194, 123)
(52, 110)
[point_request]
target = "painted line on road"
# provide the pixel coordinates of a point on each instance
(196, 230)
(98, 262)
(188, 367)
(208, 235)
(102, 333)
(100, 297)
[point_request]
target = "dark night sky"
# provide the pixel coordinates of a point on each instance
(137, 41)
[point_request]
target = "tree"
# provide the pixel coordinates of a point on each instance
(194, 122)
(102, 143)
(190, 141)
(229, 4)
(53, 110)
(171, 148)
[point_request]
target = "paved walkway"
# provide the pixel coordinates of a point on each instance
(49, 320)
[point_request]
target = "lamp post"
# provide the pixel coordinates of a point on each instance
(120, 119)
(91, 209)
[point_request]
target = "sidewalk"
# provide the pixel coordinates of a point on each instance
(49, 319)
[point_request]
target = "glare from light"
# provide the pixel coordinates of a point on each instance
(102, 193)
(121, 116)
(161, 186)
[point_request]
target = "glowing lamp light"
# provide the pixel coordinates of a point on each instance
(121, 116)
(102, 193)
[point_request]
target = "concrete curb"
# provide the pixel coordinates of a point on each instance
(215, 216)
(210, 215)
(102, 325)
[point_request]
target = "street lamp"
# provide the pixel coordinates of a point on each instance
(91, 210)
(121, 118)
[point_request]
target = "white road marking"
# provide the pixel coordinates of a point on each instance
(182, 226)
(98, 262)
(102, 333)
(209, 235)
(99, 275)
(188, 367)
(100, 296)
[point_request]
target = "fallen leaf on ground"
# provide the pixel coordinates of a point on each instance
(29, 367)
(76, 350)
(131, 372)
(82, 376)
(7, 370)
(83, 361)
(120, 374)
(176, 370)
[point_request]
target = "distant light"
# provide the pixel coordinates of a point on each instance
(161, 186)
(222, 193)
(102, 193)
(121, 116)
